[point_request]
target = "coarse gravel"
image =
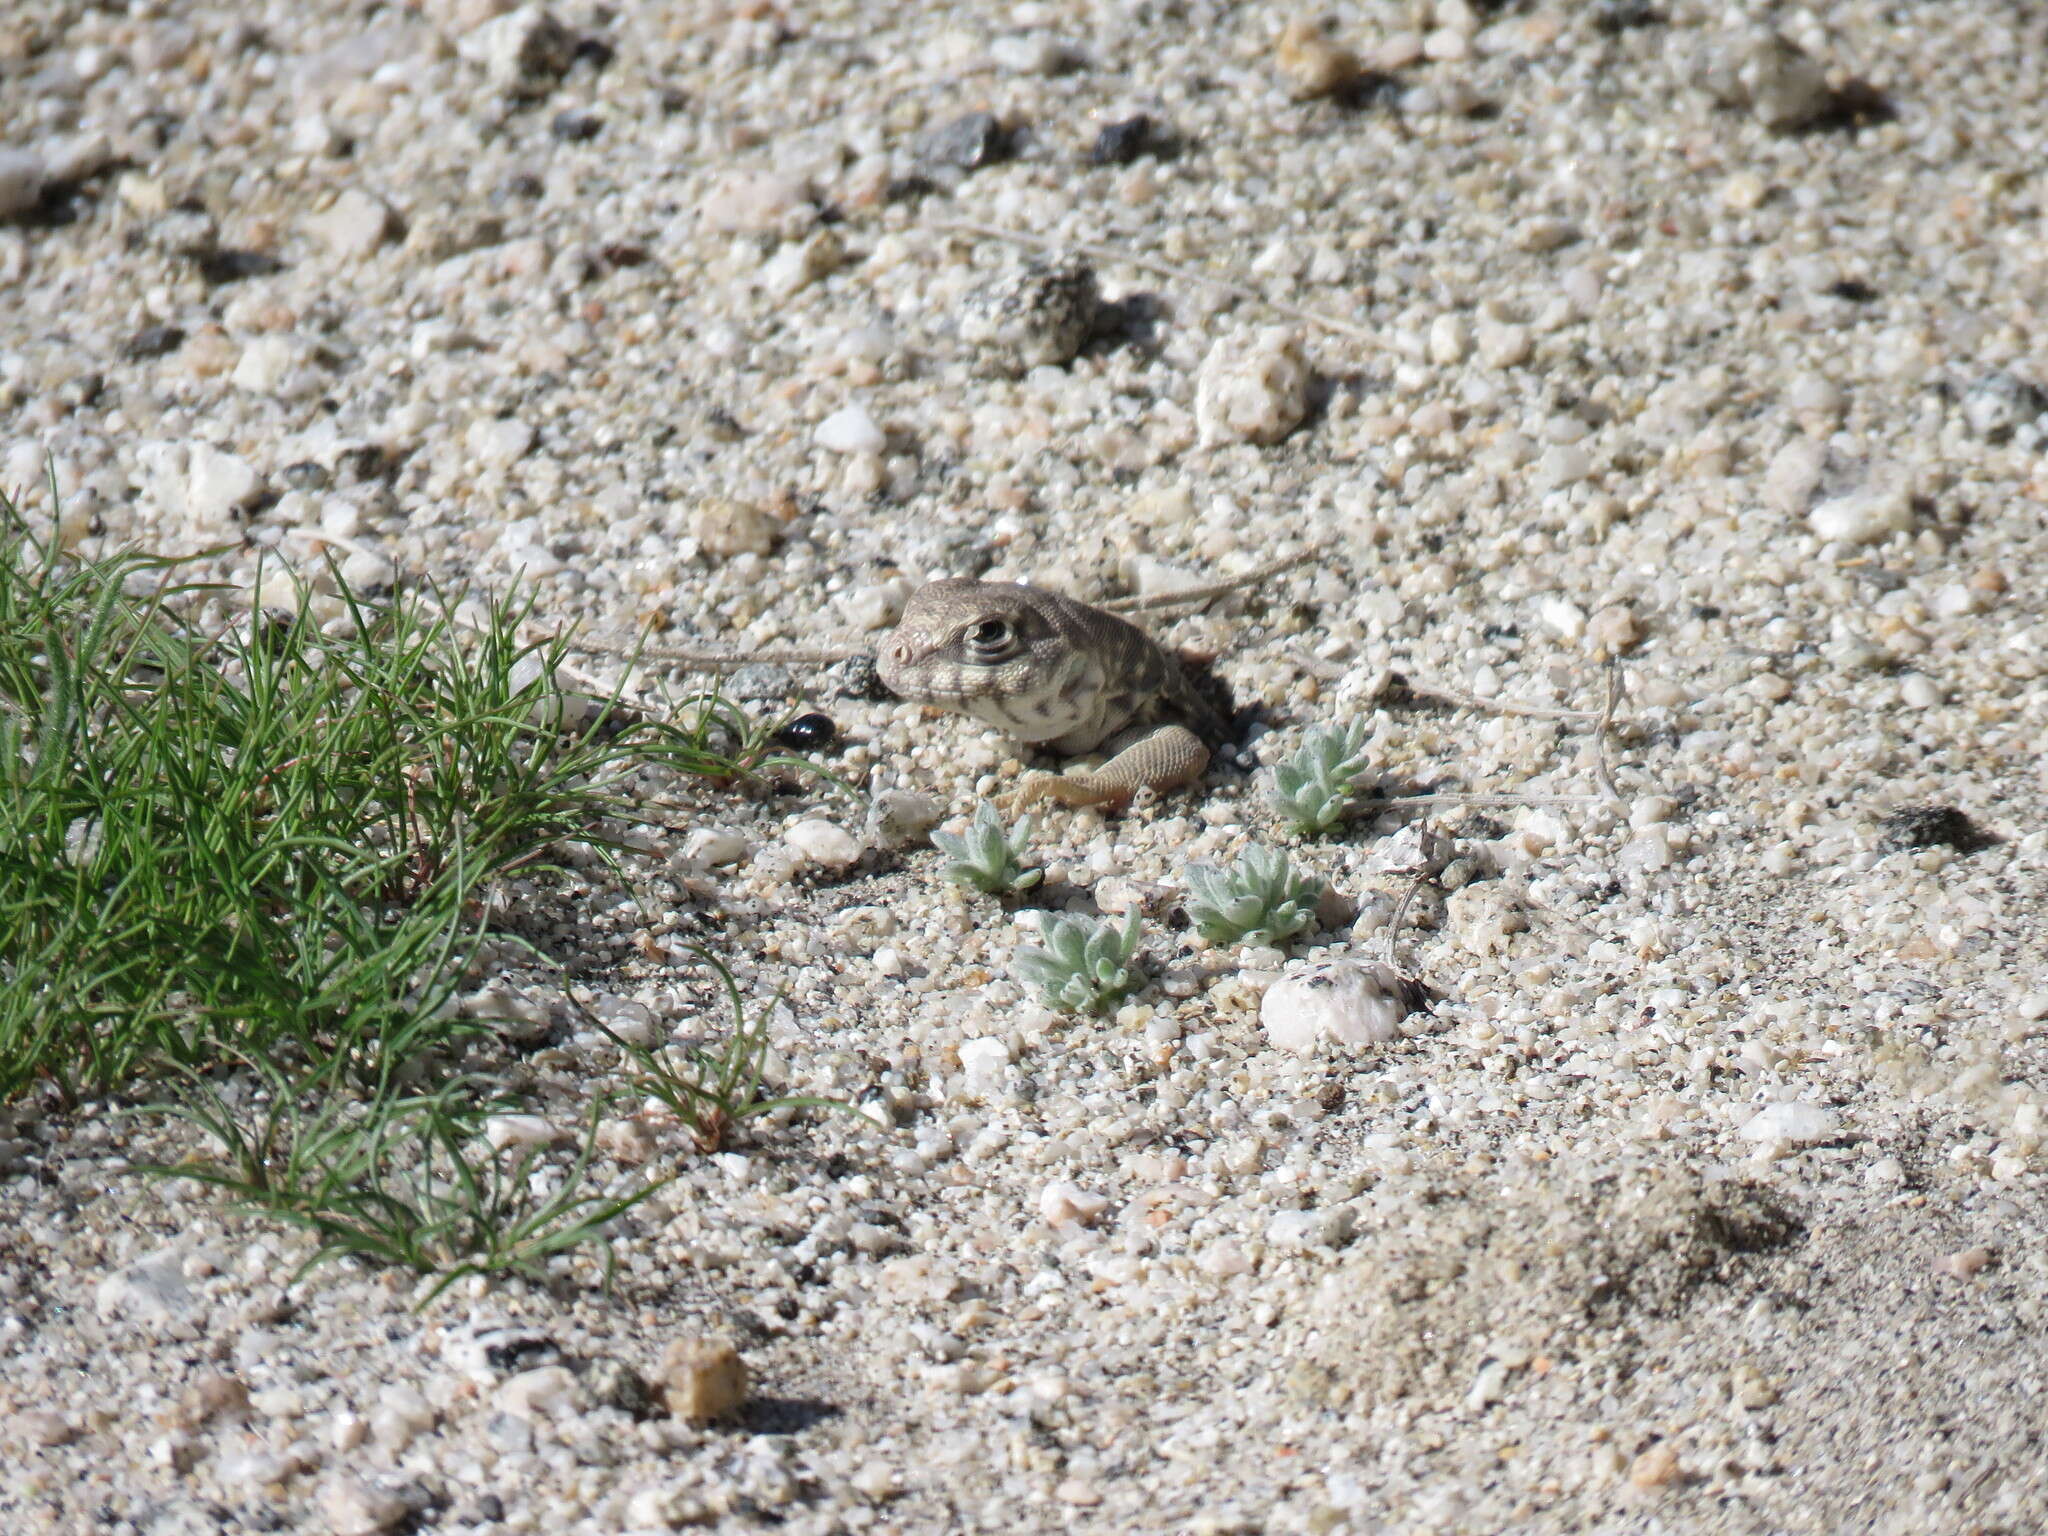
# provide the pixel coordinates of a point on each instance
(1702, 339)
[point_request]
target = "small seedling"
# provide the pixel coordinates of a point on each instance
(986, 856)
(712, 1092)
(1313, 788)
(1261, 900)
(1084, 966)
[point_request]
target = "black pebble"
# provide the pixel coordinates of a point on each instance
(966, 143)
(153, 341)
(574, 127)
(307, 476)
(1932, 826)
(1121, 143)
(808, 733)
(856, 678)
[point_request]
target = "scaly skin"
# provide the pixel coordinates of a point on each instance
(1049, 670)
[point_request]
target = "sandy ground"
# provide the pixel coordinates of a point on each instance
(1707, 1195)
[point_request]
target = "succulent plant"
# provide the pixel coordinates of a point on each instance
(986, 856)
(1261, 899)
(1085, 964)
(1313, 788)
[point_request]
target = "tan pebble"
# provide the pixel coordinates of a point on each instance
(1991, 579)
(41, 1427)
(1613, 632)
(354, 1508)
(1311, 64)
(1966, 1262)
(1655, 1468)
(1750, 1387)
(208, 352)
(726, 528)
(703, 1379)
(212, 1395)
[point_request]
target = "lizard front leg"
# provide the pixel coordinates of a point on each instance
(1160, 760)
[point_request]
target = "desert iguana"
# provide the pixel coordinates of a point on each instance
(1053, 671)
(1046, 668)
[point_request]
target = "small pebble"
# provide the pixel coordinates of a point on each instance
(1036, 316)
(498, 443)
(1655, 1468)
(850, 429)
(354, 1508)
(1794, 1121)
(354, 225)
(1349, 1002)
(1965, 1263)
(1863, 517)
(824, 843)
(967, 143)
(725, 528)
(219, 485)
(703, 1379)
(1930, 826)
(1252, 387)
(1121, 142)
(1032, 53)
(1310, 63)
(22, 177)
(1061, 1203)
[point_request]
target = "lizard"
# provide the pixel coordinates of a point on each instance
(1042, 666)
(1048, 669)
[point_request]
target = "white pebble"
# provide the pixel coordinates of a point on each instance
(1062, 1202)
(1311, 1229)
(715, 846)
(1793, 1121)
(503, 1131)
(983, 1062)
(1564, 616)
(354, 1508)
(823, 843)
(1863, 517)
(353, 226)
(850, 429)
(1030, 53)
(1919, 691)
(1351, 1003)
(499, 444)
(1448, 340)
(1252, 388)
(218, 484)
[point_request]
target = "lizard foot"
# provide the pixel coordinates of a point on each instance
(1167, 758)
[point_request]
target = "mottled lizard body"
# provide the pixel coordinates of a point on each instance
(1049, 670)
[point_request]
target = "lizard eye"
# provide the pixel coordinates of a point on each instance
(991, 639)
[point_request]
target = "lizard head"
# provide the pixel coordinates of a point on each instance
(1004, 653)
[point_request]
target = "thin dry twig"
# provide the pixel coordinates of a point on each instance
(1400, 915)
(1414, 802)
(1103, 252)
(1603, 767)
(1450, 695)
(1210, 592)
(713, 659)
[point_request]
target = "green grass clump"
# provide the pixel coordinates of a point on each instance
(1261, 900)
(404, 1179)
(1313, 789)
(1085, 964)
(253, 859)
(988, 857)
